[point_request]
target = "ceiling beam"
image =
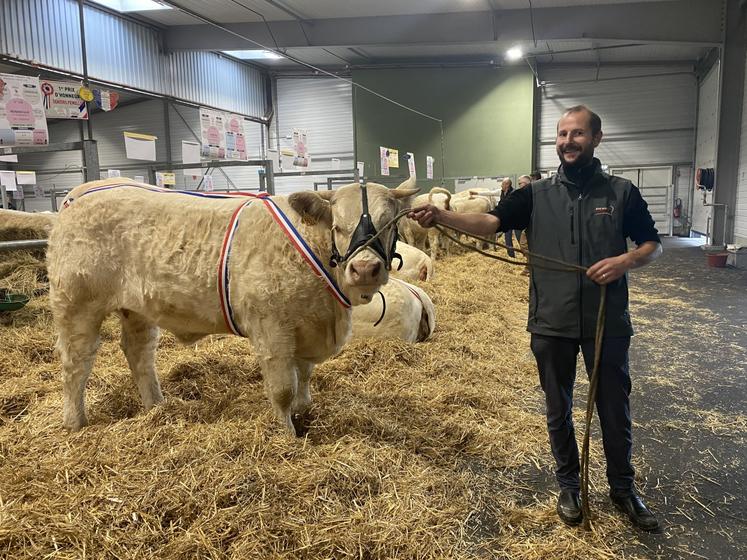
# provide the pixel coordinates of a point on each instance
(693, 22)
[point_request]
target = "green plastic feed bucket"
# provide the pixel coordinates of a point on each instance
(12, 302)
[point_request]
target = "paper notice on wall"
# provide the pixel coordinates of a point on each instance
(361, 168)
(139, 179)
(393, 158)
(208, 184)
(61, 100)
(428, 167)
(300, 142)
(223, 135)
(140, 146)
(26, 177)
(8, 180)
(411, 164)
(190, 152)
(384, 157)
(22, 118)
(165, 179)
(9, 159)
(113, 173)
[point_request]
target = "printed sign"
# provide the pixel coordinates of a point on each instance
(429, 167)
(223, 135)
(61, 100)
(393, 157)
(384, 157)
(22, 118)
(411, 164)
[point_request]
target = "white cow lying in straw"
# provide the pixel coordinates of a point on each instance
(160, 258)
(416, 265)
(410, 314)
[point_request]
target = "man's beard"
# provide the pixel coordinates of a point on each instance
(583, 159)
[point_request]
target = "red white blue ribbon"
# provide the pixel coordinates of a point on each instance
(223, 267)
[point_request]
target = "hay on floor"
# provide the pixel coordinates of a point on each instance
(430, 450)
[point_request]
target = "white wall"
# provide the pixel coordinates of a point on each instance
(646, 120)
(324, 107)
(706, 143)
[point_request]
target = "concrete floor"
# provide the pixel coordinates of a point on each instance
(689, 402)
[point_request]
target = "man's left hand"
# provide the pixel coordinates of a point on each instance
(609, 270)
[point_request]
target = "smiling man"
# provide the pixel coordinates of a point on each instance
(581, 216)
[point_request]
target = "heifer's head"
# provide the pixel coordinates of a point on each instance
(354, 214)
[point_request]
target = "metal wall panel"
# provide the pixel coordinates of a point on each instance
(740, 213)
(45, 31)
(646, 120)
(706, 144)
(217, 81)
(185, 125)
(324, 107)
(124, 52)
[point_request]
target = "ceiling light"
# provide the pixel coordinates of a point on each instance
(514, 53)
(254, 55)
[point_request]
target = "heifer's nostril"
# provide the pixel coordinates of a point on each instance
(375, 269)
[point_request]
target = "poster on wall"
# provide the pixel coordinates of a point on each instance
(393, 158)
(301, 148)
(223, 135)
(61, 100)
(384, 157)
(411, 164)
(140, 146)
(22, 118)
(429, 167)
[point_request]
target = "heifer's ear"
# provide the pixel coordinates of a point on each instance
(312, 207)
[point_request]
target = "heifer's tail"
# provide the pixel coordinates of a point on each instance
(16, 225)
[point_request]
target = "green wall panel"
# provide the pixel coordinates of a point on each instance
(486, 114)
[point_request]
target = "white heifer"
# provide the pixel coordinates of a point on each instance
(153, 257)
(410, 314)
(416, 235)
(416, 265)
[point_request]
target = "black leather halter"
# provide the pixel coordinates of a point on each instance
(364, 231)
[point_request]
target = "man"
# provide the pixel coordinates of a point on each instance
(524, 181)
(582, 216)
(535, 175)
(506, 189)
(521, 236)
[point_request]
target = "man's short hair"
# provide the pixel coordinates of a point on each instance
(507, 180)
(594, 120)
(524, 177)
(535, 175)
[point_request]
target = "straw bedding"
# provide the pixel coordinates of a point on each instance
(430, 450)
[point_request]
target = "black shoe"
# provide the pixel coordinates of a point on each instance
(569, 507)
(632, 506)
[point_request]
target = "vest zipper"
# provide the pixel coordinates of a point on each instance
(580, 274)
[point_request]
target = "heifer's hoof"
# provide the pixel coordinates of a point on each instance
(74, 424)
(300, 424)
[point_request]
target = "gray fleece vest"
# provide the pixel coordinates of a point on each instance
(580, 228)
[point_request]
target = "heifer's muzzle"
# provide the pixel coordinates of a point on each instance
(362, 235)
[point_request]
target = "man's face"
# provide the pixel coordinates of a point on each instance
(575, 143)
(505, 185)
(524, 181)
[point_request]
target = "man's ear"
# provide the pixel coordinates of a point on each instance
(597, 138)
(312, 207)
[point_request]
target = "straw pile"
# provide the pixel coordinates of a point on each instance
(431, 450)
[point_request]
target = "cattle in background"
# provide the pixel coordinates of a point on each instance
(410, 314)
(153, 256)
(416, 235)
(416, 265)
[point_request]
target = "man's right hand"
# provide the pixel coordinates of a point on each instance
(426, 215)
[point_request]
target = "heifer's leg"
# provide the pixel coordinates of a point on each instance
(139, 342)
(433, 242)
(77, 342)
(302, 402)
